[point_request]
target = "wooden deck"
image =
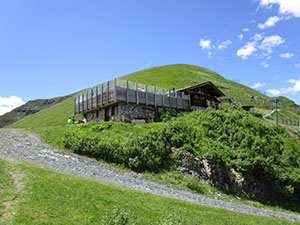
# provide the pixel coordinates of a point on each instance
(104, 95)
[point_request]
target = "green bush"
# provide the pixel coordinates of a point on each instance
(232, 138)
(151, 151)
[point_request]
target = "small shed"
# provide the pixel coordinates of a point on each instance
(203, 95)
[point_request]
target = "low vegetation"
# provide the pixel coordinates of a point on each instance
(232, 138)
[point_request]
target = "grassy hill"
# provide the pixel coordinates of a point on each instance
(29, 108)
(50, 123)
(168, 76)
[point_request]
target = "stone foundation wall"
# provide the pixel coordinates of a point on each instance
(129, 111)
(126, 112)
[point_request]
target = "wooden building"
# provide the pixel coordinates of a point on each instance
(203, 95)
(120, 100)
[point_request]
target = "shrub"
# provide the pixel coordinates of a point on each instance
(151, 151)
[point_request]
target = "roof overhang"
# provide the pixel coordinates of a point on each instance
(217, 91)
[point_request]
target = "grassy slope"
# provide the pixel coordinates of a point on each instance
(57, 115)
(169, 76)
(49, 197)
(181, 75)
(28, 108)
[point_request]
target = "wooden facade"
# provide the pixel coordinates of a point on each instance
(203, 95)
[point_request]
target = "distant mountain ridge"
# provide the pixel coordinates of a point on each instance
(29, 108)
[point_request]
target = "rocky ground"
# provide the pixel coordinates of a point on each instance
(27, 146)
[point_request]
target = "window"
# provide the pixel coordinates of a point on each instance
(114, 110)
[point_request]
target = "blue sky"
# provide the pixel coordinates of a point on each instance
(53, 48)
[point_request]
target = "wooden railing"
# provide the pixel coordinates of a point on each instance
(130, 92)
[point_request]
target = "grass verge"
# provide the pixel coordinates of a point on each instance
(50, 197)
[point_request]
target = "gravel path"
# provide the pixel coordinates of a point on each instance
(27, 146)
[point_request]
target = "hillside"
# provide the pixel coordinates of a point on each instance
(29, 108)
(56, 115)
(181, 75)
(258, 151)
(168, 76)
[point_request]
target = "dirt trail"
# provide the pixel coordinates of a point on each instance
(27, 146)
(17, 185)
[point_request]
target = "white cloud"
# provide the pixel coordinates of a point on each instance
(257, 37)
(273, 91)
(205, 44)
(264, 64)
(270, 42)
(224, 44)
(209, 54)
(247, 50)
(292, 81)
(287, 7)
(292, 89)
(245, 29)
(258, 85)
(286, 55)
(8, 104)
(269, 23)
(297, 65)
(240, 36)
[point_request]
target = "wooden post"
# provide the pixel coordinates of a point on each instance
(176, 97)
(87, 100)
(107, 92)
(97, 96)
(170, 98)
(102, 94)
(146, 94)
(92, 92)
(75, 105)
(115, 89)
(190, 101)
(154, 96)
(82, 102)
(137, 92)
(127, 97)
(163, 100)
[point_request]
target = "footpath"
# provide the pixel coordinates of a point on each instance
(28, 147)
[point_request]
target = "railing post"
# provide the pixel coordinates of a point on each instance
(137, 92)
(87, 100)
(163, 94)
(176, 97)
(107, 92)
(127, 97)
(75, 105)
(102, 94)
(154, 96)
(92, 93)
(115, 89)
(170, 98)
(146, 94)
(96, 96)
